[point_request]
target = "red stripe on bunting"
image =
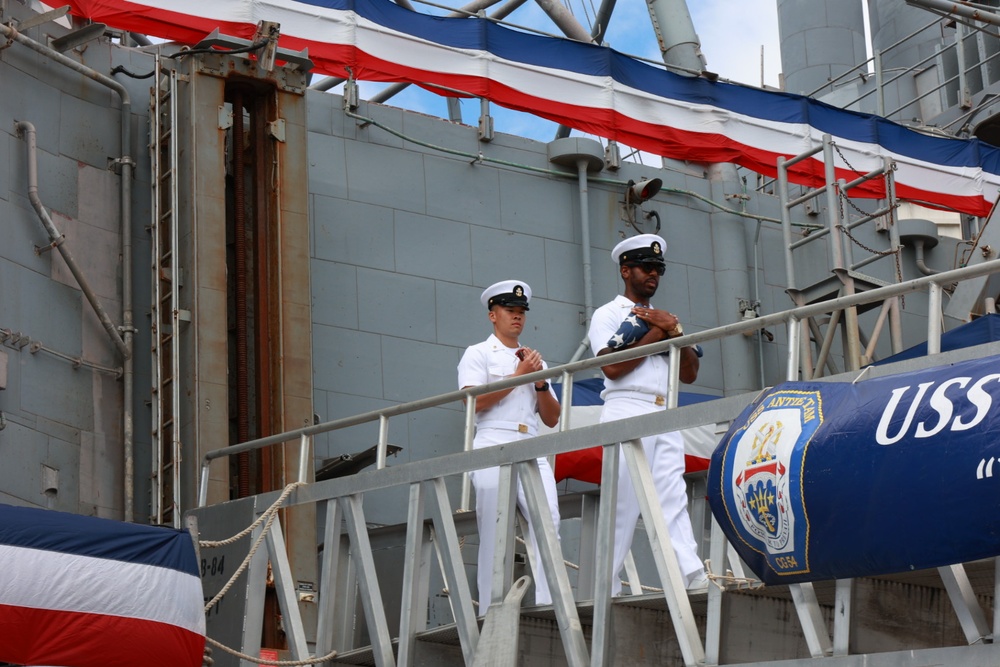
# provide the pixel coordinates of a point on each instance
(48, 637)
(335, 59)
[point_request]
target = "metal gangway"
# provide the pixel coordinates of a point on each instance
(348, 570)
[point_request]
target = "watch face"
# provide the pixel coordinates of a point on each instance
(679, 329)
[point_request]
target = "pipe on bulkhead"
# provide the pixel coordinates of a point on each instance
(586, 155)
(918, 249)
(27, 131)
(127, 165)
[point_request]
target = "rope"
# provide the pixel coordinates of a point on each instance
(270, 514)
(208, 544)
(264, 661)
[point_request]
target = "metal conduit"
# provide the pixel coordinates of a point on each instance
(27, 131)
(126, 164)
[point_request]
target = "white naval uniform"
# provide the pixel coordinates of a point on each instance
(513, 418)
(635, 393)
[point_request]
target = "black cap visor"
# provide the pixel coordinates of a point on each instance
(510, 299)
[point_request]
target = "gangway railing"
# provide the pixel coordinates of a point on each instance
(342, 500)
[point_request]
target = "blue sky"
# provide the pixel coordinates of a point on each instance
(732, 33)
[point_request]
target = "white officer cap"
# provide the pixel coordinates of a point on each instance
(507, 293)
(639, 250)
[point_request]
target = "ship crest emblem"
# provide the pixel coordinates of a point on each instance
(764, 477)
(761, 484)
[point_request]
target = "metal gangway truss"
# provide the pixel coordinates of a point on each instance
(349, 576)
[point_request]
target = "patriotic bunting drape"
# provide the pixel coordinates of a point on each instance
(591, 88)
(89, 592)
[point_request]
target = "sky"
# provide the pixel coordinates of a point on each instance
(737, 36)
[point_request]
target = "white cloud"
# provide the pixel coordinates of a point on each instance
(732, 35)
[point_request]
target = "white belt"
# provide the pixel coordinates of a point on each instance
(655, 399)
(508, 426)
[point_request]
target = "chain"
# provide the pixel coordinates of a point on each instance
(891, 206)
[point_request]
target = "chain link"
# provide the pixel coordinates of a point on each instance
(891, 207)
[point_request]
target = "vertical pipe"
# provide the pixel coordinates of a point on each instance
(934, 319)
(588, 295)
(127, 164)
(786, 223)
(383, 441)
(470, 428)
(879, 83)
(239, 217)
(794, 332)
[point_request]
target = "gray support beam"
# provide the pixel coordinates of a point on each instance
(675, 32)
(842, 617)
(565, 20)
(503, 555)
(416, 558)
(963, 599)
(976, 13)
(371, 595)
(811, 618)
(604, 556)
(253, 619)
(454, 568)
(588, 544)
(464, 12)
(671, 578)
(550, 555)
(713, 623)
(284, 585)
(328, 579)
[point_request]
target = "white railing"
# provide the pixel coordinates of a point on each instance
(428, 501)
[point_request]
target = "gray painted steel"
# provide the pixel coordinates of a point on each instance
(820, 40)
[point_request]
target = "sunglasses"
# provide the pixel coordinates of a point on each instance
(650, 267)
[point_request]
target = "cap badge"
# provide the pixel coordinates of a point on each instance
(518, 291)
(656, 247)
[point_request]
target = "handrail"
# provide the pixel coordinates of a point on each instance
(789, 317)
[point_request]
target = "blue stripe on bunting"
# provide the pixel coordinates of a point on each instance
(99, 538)
(593, 60)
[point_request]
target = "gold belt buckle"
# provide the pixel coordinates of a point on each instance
(522, 428)
(659, 400)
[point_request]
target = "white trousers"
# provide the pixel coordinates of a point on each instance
(487, 483)
(665, 454)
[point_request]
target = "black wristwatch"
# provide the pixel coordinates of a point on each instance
(544, 387)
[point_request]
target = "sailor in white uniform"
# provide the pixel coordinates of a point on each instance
(507, 416)
(638, 387)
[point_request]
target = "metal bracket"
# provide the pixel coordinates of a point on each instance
(352, 96)
(116, 164)
(225, 117)
(39, 250)
(276, 128)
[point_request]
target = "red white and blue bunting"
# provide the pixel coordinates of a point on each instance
(89, 592)
(590, 88)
